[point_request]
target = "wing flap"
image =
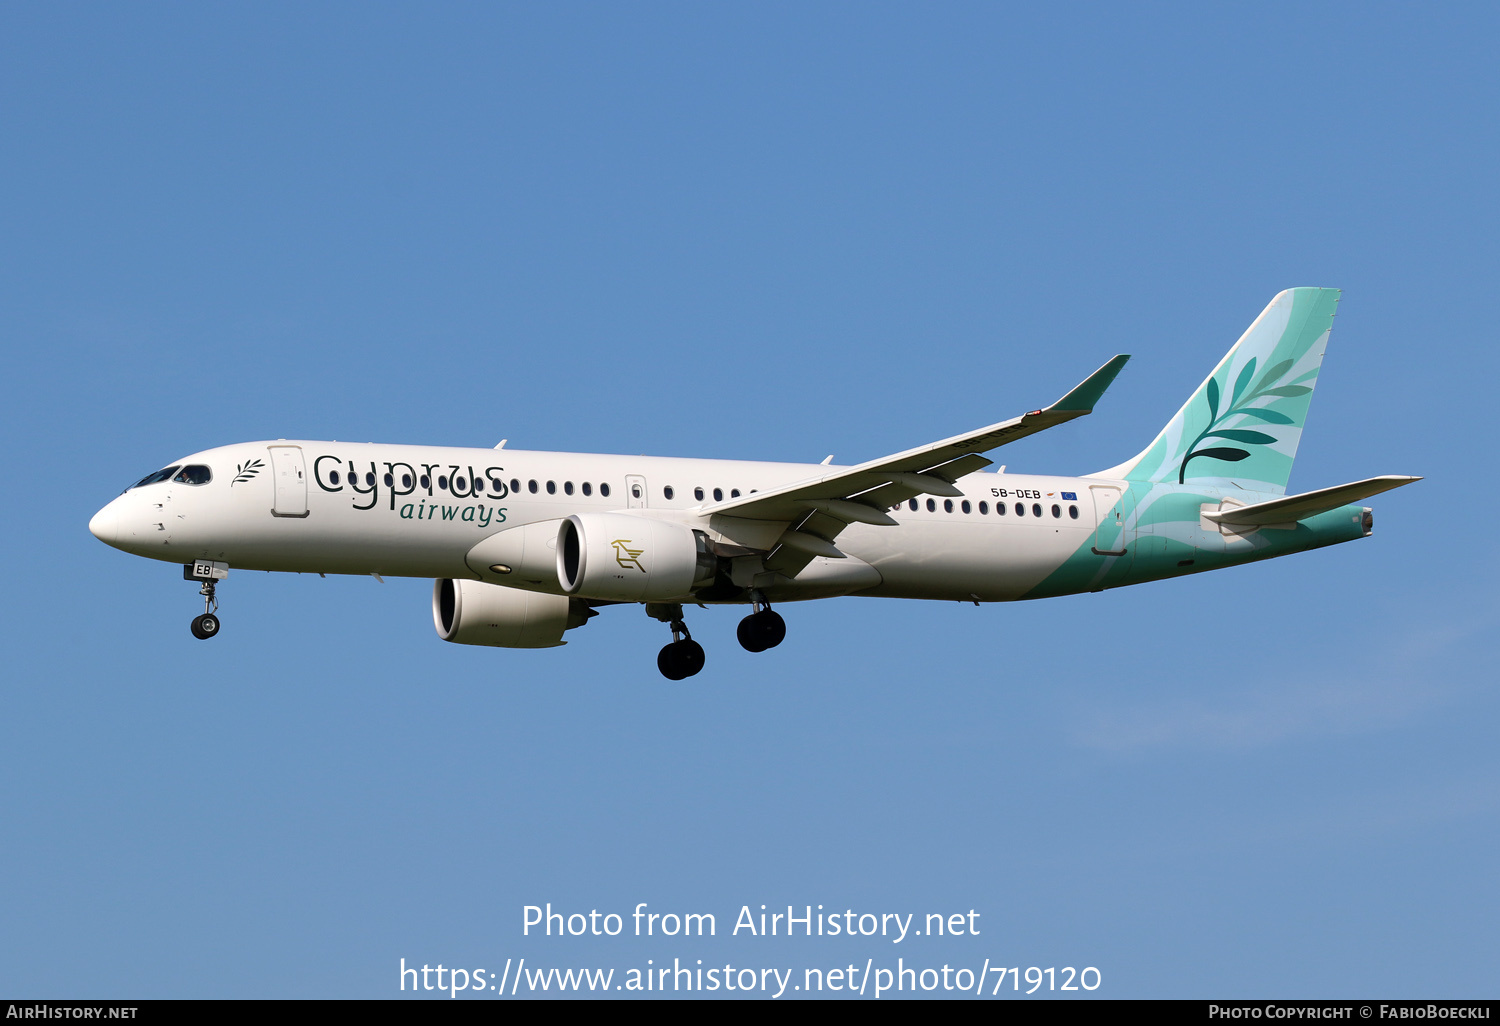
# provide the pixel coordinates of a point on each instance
(816, 510)
(936, 481)
(881, 483)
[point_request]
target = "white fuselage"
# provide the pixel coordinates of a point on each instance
(405, 515)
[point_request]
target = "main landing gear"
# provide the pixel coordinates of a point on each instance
(684, 656)
(208, 574)
(762, 629)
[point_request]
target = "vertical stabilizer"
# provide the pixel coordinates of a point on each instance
(1243, 424)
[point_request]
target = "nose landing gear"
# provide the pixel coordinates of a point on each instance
(762, 629)
(683, 657)
(208, 574)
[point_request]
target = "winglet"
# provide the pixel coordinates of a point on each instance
(1083, 397)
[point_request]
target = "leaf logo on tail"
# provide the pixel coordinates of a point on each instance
(1239, 404)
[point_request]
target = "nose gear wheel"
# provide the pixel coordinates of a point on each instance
(206, 624)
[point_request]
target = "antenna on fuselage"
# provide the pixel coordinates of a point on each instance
(502, 443)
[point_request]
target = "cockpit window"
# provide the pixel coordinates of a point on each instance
(195, 474)
(156, 478)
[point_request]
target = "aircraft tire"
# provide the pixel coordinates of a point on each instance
(693, 656)
(205, 626)
(671, 663)
(773, 627)
(680, 659)
(749, 634)
(760, 631)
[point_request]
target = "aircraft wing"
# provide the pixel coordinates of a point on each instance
(819, 508)
(1292, 508)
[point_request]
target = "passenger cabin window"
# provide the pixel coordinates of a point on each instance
(515, 484)
(984, 507)
(567, 487)
(604, 489)
(947, 505)
(932, 505)
(1036, 509)
(667, 492)
(588, 489)
(194, 474)
(734, 493)
(1020, 510)
(531, 487)
(156, 478)
(913, 504)
(1073, 512)
(718, 495)
(965, 506)
(1056, 512)
(635, 490)
(698, 493)
(551, 487)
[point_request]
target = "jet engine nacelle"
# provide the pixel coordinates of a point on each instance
(475, 613)
(622, 558)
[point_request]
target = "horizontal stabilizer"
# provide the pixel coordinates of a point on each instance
(1309, 504)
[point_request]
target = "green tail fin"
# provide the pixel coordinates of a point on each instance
(1243, 424)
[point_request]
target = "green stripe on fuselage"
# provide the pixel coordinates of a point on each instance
(1167, 537)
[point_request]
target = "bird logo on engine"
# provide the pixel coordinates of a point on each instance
(627, 557)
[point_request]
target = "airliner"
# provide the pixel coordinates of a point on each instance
(525, 546)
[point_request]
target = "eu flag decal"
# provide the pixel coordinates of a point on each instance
(1070, 496)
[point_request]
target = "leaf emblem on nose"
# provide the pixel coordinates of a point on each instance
(245, 471)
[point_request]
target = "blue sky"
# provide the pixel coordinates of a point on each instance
(755, 231)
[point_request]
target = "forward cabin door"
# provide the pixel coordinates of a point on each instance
(289, 473)
(1109, 518)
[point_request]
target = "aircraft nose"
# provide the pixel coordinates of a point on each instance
(105, 524)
